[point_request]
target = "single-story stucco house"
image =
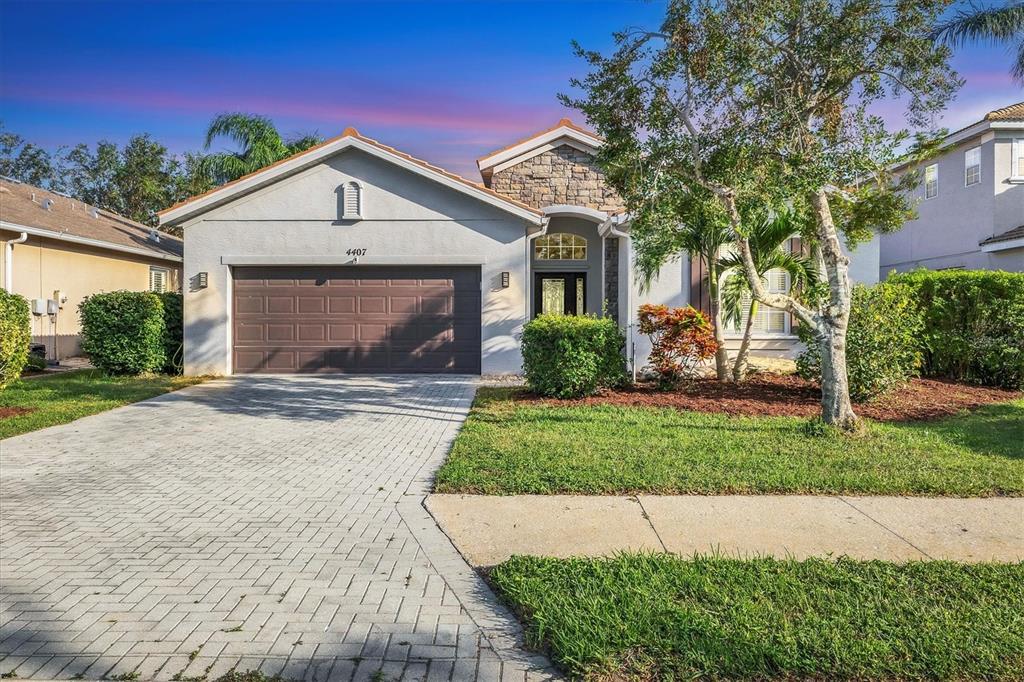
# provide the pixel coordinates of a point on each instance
(58, 250)
(355, 257)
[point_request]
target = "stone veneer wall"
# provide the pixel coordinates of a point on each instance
(611, 277)
(564, 175)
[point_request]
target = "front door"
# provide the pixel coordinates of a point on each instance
(561, 293)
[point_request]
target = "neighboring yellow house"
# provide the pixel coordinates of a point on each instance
(54, 247)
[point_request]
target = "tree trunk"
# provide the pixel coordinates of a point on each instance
(739, 370)
(832, 323)
(836, 408)
(722, 354)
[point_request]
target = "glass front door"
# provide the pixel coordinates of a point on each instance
(560, 293)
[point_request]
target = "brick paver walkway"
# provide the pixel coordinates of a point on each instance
(271, 523)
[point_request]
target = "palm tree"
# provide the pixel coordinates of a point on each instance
(260, 145)
(996, 24)
(705, 236)
(766, 238)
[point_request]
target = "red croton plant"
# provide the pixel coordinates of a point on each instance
(681, 339)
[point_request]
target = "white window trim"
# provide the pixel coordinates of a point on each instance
(1016, 153)
(968, 166)
(165, 273)
(926, 168)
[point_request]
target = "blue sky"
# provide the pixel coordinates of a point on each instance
(443, 80)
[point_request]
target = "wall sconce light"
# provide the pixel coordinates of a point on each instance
(201, 280)
(504, 280)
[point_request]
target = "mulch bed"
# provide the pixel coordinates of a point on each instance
(7, 412)
(765, 394)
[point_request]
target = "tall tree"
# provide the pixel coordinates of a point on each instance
(998, 24)
(24, 161)
(259, 142)
(762, 101)
(767, 238)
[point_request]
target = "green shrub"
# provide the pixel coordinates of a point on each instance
(123, 331)
(973, 324)
(15, 336)
(882, 341)
(36, 362)
(172, 339)
(567, 356)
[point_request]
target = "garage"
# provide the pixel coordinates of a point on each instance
(356, 319)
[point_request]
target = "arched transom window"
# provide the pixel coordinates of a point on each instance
(560, 246)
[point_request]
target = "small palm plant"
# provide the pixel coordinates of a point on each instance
(1003, 24)
(260, 144)
(767, 239)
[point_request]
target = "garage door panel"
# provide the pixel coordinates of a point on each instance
(280, 304)
(385, 319)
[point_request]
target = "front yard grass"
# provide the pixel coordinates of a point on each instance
(64, 397)
(507, 447)
(649, 617)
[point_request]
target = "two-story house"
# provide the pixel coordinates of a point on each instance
(970, 202)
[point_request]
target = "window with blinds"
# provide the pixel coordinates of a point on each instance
(352, 201)
(158, 279)
(766, 320)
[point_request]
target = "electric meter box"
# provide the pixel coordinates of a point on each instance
(38, 306)
(52, 307)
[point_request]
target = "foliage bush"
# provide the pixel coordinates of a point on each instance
(123, 331)
(15, 336)
(681, 339)
(882, 342)
(973, 324)
(172, 337)
(36, 362)
(569, 356)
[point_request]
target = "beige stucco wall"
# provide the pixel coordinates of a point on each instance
(41, 266)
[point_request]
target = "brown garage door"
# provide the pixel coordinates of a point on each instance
(357, 319)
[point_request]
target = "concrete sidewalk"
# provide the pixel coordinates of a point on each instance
(489, 529)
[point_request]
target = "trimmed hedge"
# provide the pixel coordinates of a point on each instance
(882, 342)
(15, 336)
(973, 324)
(570, 356)
(123, 331)
(172, 337)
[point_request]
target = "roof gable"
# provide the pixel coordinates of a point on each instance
(349, 139)
(565, 132)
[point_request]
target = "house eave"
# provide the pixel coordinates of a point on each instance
(87, 241)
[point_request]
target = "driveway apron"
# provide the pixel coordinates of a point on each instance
(271, 523)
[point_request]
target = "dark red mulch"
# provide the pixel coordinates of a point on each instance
(7, 412)
(766, 394)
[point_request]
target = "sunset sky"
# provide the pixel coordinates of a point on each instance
(446, 81)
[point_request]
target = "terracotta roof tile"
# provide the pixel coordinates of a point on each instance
(352, 132)
(1014, 112)
(23, 204)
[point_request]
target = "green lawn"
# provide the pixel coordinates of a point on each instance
(507, 447)
(659, 617)
(61, 398)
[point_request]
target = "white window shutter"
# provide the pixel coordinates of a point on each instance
(158, 280)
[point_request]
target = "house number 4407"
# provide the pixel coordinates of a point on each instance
(356, 252)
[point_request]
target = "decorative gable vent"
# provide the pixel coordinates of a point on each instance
(352, 201)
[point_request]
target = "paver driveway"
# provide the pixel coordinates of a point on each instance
(258, 522)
